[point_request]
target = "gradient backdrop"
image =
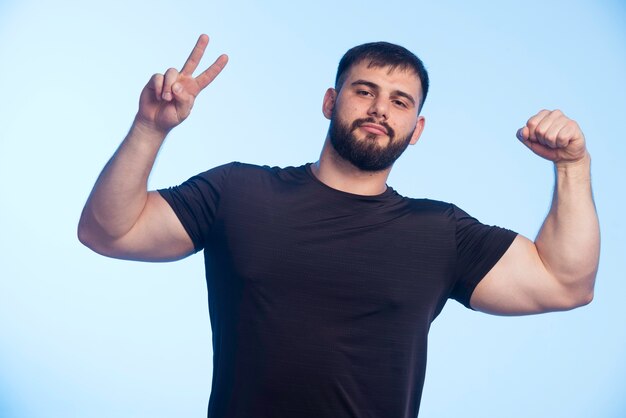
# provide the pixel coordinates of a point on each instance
(86, 336)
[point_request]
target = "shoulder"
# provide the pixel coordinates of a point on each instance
(237, 170)
(442, 215)
(242, 174)
(447, 210)
(242, 177)
(424, 206)
(423, 216)
(237, 167)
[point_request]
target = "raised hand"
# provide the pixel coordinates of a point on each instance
(167, 99)
(553, 136)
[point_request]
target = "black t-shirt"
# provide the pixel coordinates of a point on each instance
(320, 300)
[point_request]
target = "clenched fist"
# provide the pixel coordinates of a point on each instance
(554, 136)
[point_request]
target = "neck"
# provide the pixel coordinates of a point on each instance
(335, 172)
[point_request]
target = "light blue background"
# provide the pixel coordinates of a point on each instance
(86, 336)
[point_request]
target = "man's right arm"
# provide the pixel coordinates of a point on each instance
(121, 218)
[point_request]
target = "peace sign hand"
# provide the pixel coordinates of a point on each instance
(167, 99)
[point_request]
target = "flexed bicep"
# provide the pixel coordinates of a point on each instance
(157, 235)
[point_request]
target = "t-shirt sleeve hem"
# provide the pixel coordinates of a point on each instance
(167, 195)
(505, 238)
(196, 202)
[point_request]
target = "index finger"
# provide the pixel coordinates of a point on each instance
(196, 55)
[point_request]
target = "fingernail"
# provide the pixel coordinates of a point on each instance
(519, 134)
(167, 96)
(177, 88)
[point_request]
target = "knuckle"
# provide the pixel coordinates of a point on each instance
(540, 130)
(571, 125)
(171, 73)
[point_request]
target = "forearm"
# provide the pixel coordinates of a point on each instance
(569, 240)
(120, 193)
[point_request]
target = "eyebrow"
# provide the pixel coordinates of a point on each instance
(377, 87)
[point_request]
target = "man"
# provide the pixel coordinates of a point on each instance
(322, 280)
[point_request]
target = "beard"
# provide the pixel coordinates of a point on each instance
(366, 154)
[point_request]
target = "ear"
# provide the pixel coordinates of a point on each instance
(329, 102)
(419, 128)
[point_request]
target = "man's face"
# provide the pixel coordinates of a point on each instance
(373, 117)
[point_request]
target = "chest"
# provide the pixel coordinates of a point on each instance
(308, 254)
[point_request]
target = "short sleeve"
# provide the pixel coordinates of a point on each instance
(479, 247)
(196, 202)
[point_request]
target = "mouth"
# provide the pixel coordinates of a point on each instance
(373, 128)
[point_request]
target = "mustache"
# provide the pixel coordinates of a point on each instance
(359, 122)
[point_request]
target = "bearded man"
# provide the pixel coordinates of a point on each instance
(322, 280)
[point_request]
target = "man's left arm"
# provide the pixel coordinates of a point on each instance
(558, 270)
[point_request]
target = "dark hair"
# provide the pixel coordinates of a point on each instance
(383, 54)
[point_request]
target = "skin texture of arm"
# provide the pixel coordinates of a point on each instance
(557, 271)
(121, 218)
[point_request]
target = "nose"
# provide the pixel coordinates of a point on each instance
(379, 109)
